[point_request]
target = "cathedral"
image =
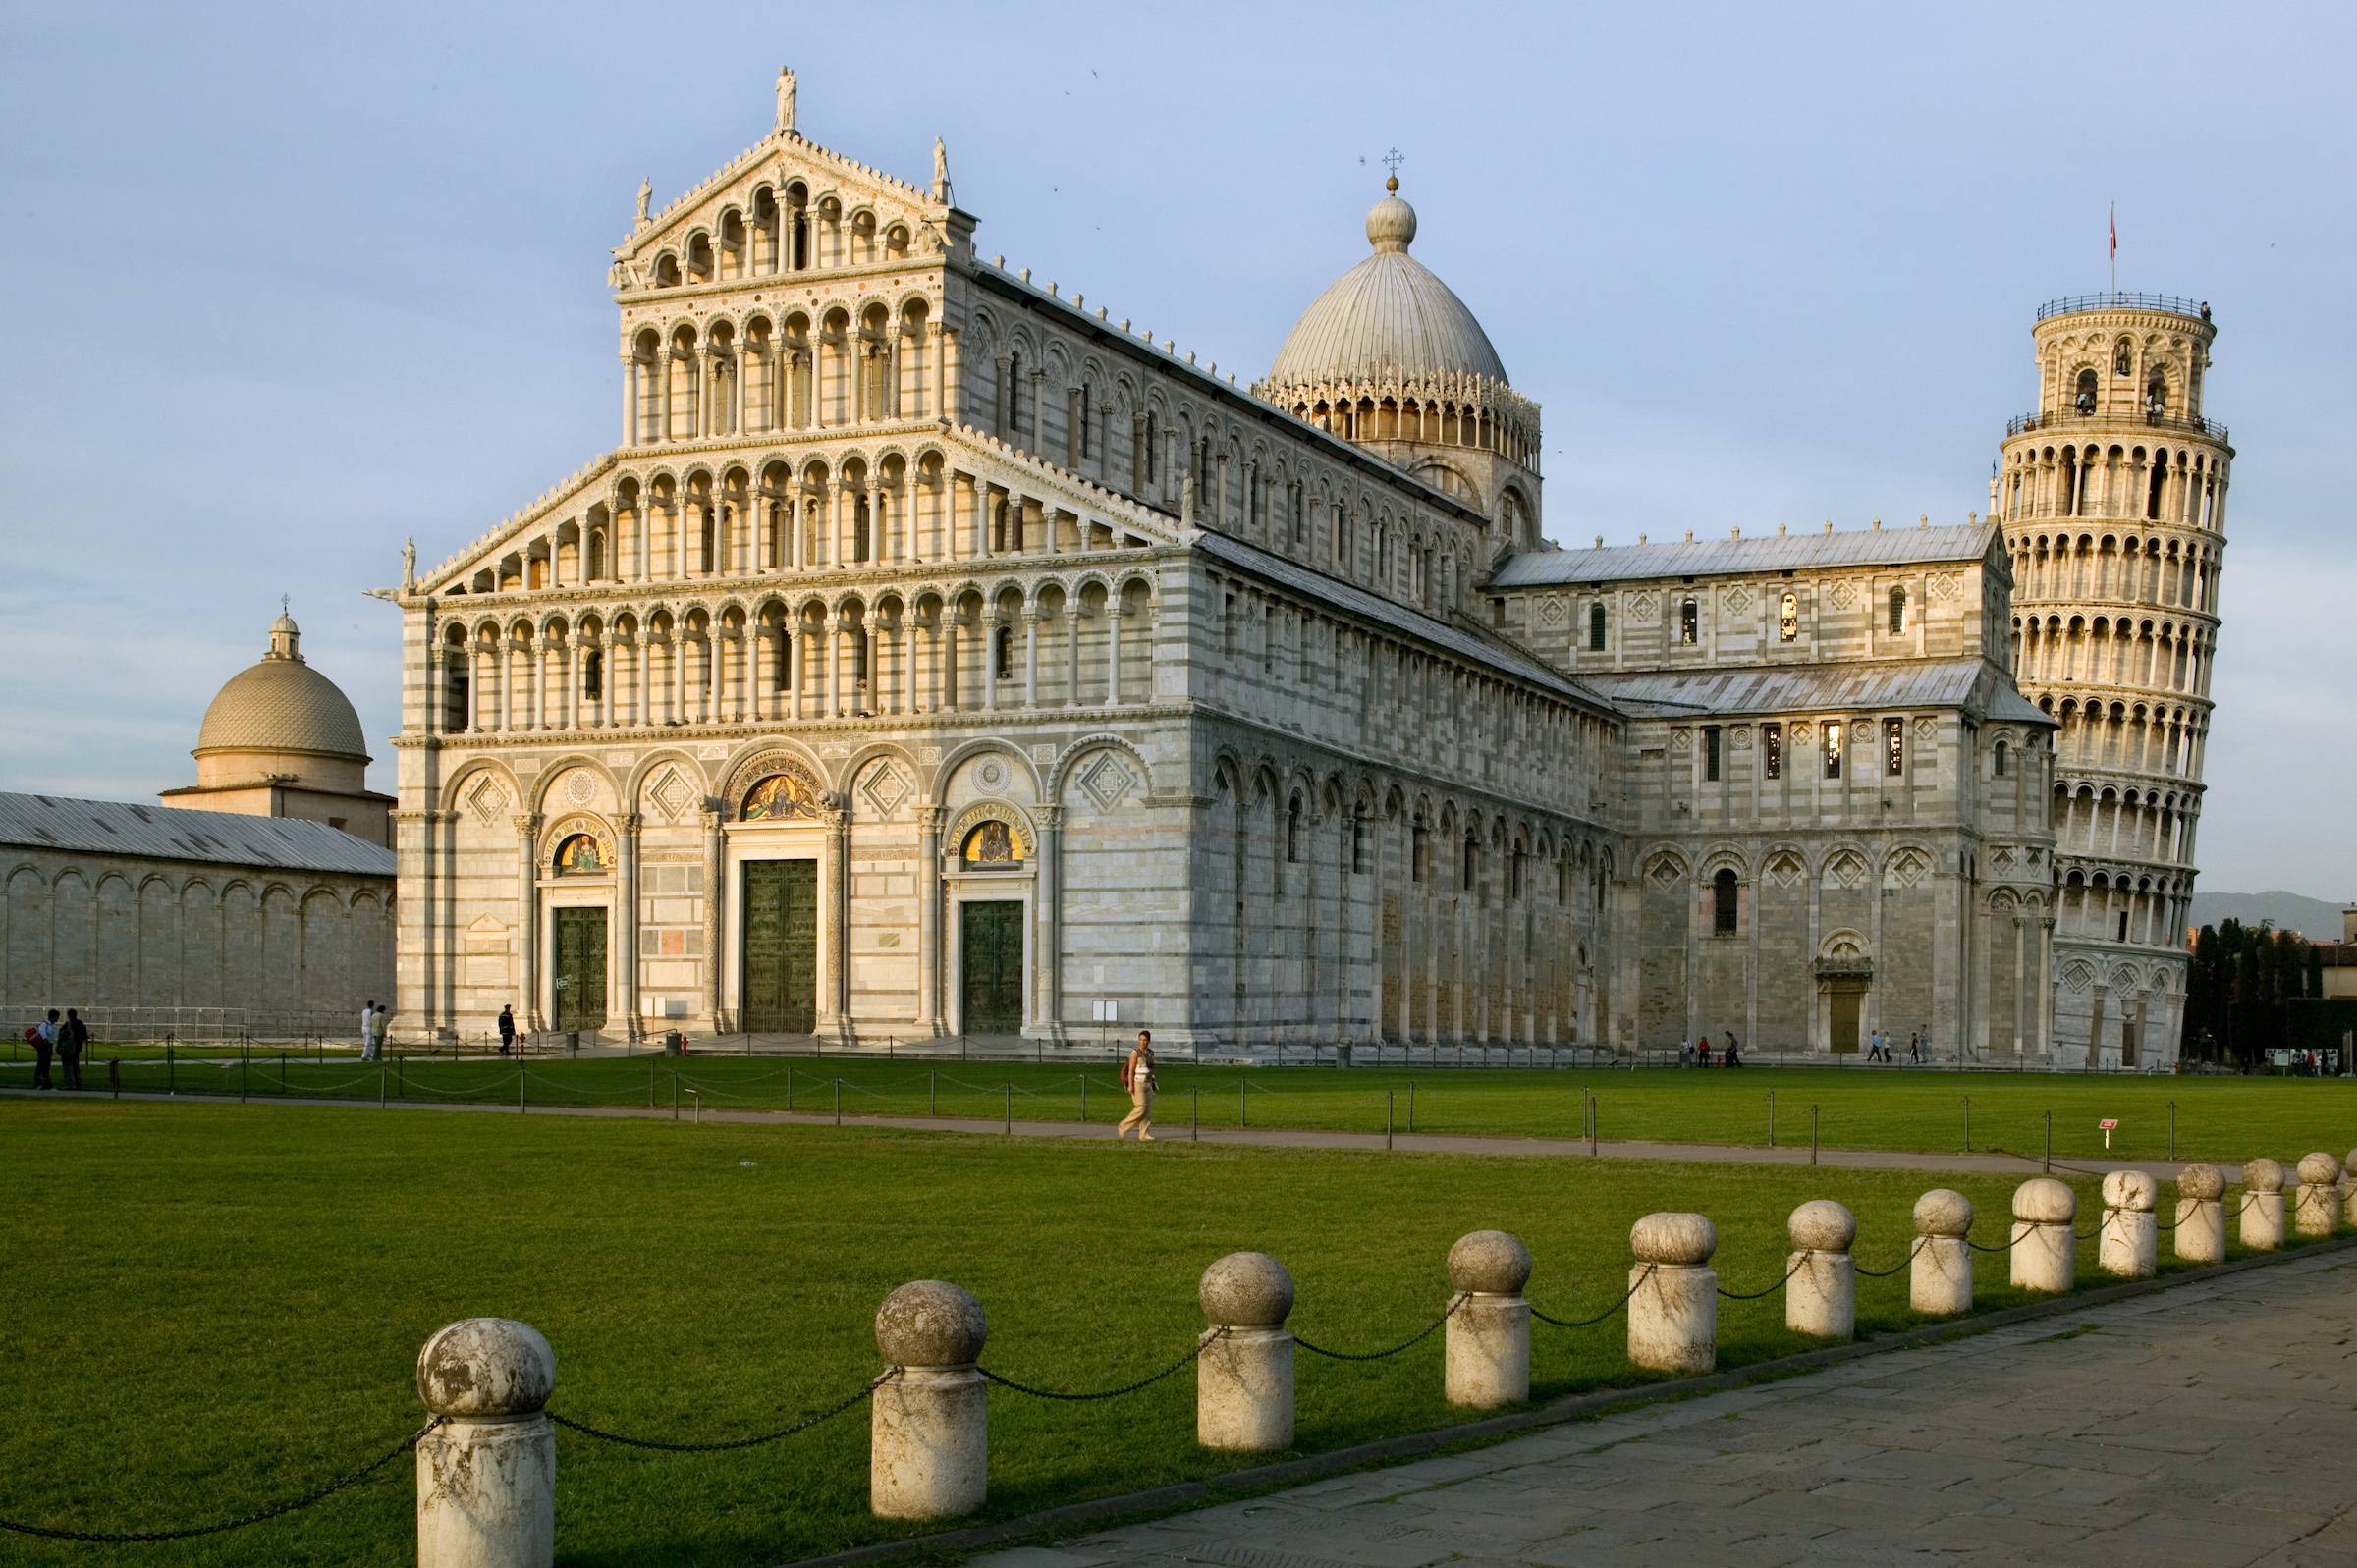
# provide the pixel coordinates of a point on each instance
(940, 654)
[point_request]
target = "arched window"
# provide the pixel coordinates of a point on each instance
(2123, 358)
(1723, 901)
(1419, 851)
(1293, 831)
(1472, 865)
(1596, 627)
(2085, 401)
(1689, 624)
(1002, 653)
(1997, 760)
(1898, 610)
(1787, 619)
(1833, 749)
(1513, 873)
(704, 543)
(2156, 396)
(579, 856)
(593, 674)
(1359, 842)
(597, 555)
(991, 847)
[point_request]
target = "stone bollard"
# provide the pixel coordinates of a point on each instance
(1822, 1296)
(1244, 1379)
(487, 1475)
(2316, 1209)
(2201, 1217)
(1939, 1280)
(929, 1434)
(1674, 1294)
(2262, 1205)
(1488, 1333)
(2045, 1248)
(2130, 1240)
(2348, 1189)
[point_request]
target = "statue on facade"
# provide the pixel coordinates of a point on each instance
(941, 172)
(786, 100)
(409, 567)
(646, 194)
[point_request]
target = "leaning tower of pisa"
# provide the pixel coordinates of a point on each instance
(2113, 496)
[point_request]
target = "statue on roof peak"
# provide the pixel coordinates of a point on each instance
(646, 194)
(785, 93)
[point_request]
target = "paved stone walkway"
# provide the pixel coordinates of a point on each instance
(2208, 1424)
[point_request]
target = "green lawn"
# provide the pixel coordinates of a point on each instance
(2224, 1118)
(217, 1305)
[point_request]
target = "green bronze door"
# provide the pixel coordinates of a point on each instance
(990, 967)
(581, 970)
(781, 946)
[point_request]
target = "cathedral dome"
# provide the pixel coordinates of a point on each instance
(1386, 319)
(281, 705)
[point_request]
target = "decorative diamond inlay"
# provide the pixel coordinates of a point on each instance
(671, 793)
(885, 790)
(1107, 781)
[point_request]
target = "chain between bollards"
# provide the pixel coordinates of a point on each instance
(1799, 1258)
(1420, 1335)
(866, 1391)
(132, 1536)
(1203, 1342)
(1588, 1323)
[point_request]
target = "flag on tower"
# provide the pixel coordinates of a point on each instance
(2115, 231)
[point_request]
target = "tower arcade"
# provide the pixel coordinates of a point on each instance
(2112, 497)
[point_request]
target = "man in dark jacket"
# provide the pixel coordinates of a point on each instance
(507, 1030)
(72, 1035)
(44, 1046)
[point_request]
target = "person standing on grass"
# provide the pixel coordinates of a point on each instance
(368, 1031)
(72, 1035)
(1137, 1076)
(1702, 1050)
(507, 1031)
(44, 1046)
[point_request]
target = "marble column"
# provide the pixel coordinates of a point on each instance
(626, 923)
(1112, 649)
(1048, 950)
(715, 897)
(527, 917)
(837, 992)
(928, 919)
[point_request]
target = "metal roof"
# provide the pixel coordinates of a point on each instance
(160, 832)
(1727, 557)
(1973, 684)
(1399, 618)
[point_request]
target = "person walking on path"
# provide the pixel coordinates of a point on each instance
(72, 1035)
(1727, 1057)
(371, 1036)
(44, 1046)
(1137, 1076)
(507, 1031)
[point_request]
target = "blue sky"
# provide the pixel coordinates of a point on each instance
(293, 284)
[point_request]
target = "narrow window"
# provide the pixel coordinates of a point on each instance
(704, 543)
(1787, 619)
(1358, 843)
(2085, 401)
(1268, 640)
(1898, 610)
(2156, 396)
(1772, 750)
(1301, 517)
(1894, 745)
(1514, 877)
(597, 556)
(1293, 831)
(1005, 656)
(1710, 753)
(1723, 901)
(1419, 851)
(1833, 749)
(2123, 925)
(1997, 759)
(454, 705)
(1153, 448)
(1228, 626)
(593, 674)
(1689, 624)
(802, 243)
(859, 642)
(2123, 359)
(1011, 410)
(1596, 627)
(1472, 862)
(1084, 432)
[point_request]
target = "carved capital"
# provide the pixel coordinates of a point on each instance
(526, 823)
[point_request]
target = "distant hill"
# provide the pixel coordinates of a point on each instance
(2317, 919)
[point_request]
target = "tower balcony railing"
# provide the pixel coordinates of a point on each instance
(2071, 305)
(2156, 419)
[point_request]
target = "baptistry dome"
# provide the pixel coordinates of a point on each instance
(1386, 319)
(282, 705)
